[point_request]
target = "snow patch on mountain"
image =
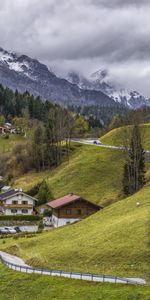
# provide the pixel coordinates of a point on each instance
(102, 81)
(24, 73)
(14, 62)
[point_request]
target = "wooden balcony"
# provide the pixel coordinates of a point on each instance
(26, 206)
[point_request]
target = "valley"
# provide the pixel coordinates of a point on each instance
(74, 150)
(104, 243)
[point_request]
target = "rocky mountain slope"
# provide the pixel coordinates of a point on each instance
(24, 73)
(101, 81)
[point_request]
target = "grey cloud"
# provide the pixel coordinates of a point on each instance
(86, 34)
(120, 3)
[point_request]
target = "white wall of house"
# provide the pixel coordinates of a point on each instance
(57, 222)
(19, 211)
(20, 198)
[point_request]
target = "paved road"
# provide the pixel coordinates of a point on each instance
(21, 267)
(28, 228)
(99, 144)
(13, 259)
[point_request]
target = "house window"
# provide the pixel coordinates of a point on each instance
(24, 211)
(24, 202)
(78, 211)
(14, 211)
(14, 202)
(68, 211)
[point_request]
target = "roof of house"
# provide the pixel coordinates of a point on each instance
(7, 194)
(13, 192)
(66, 200)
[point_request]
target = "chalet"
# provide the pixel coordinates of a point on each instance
(15, 202)
(8, 128)
(8, 125)
(71, 208)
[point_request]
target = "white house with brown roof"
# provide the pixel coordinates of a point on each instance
(15, 202)
(71, 208)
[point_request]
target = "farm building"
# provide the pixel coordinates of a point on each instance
(71, 208)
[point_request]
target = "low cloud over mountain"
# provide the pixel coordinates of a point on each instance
(82, 34)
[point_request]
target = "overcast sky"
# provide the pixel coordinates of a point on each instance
(85, 35)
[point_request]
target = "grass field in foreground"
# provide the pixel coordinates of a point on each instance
(18, 286)
(114, 241)
(116, 136)
(92, 172)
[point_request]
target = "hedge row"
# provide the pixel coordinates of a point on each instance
(20, 218)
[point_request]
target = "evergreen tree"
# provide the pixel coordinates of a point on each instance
(134, 168)
(44, 194)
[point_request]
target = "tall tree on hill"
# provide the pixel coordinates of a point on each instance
(134, 168)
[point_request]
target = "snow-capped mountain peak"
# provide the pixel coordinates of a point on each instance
(24, 73)
(101, 81)
(27, 74)
(15, 62)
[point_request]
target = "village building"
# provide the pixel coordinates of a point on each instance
(71, 208)
(5, 188)
(15, 202)
(2, 130)
(8, 128)
(8, 125)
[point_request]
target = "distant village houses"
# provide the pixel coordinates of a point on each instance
(8, 128)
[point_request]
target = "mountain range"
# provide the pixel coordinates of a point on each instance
(101, 81)
(26, 74)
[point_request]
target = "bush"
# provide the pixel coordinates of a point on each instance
(20, 218)
(34, 190)
(47, 213)
(41, 226)
(6, 136)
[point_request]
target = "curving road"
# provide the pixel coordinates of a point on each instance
(17, 264)
(97, 143)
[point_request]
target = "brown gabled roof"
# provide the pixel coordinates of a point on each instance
(66, 200)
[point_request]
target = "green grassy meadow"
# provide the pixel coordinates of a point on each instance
(88, 174)
(116, 137)
(18, 286)
(114, 241)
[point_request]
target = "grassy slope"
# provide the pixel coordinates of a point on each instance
(19, 286)
(115, 136)
(113, 241)
(7, 144)
(88, 174)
